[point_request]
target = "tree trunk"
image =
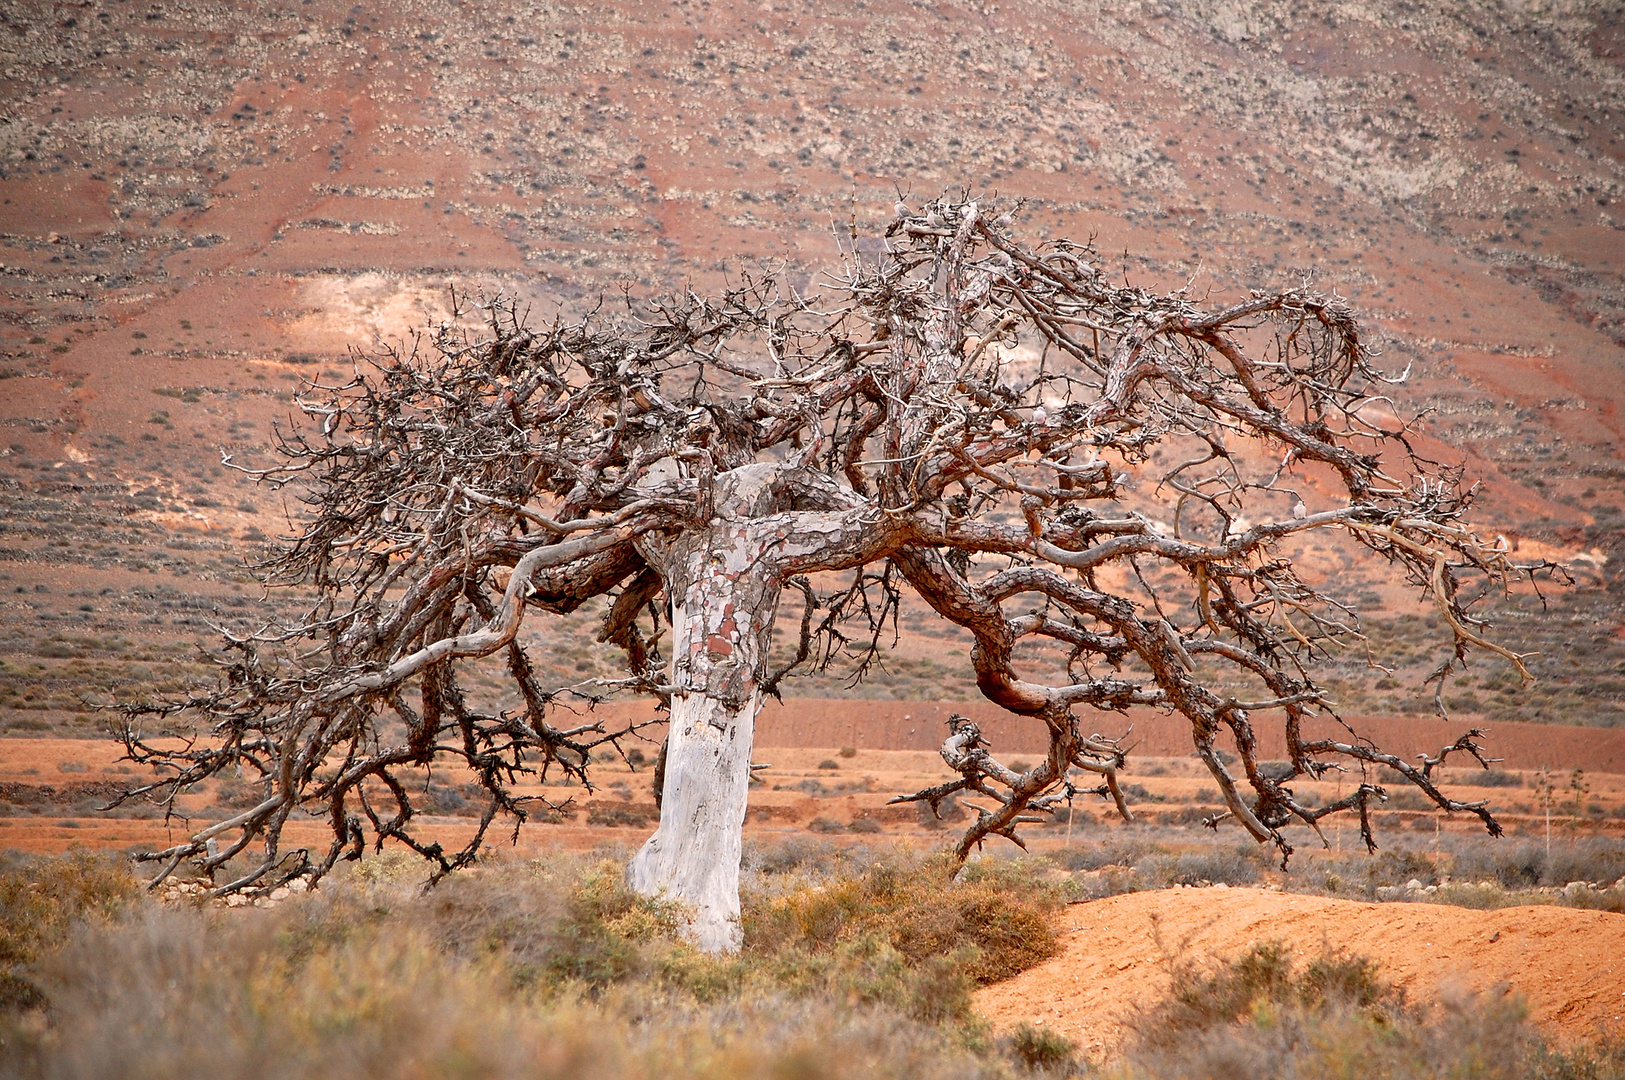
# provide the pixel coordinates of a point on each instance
(723, 598)
(694, 855)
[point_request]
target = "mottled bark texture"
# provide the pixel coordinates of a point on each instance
(1101, 483)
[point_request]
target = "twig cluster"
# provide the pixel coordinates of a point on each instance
(985, 424)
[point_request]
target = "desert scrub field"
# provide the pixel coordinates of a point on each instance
(857, 962)
(1463, 870)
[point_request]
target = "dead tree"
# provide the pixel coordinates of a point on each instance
(1086, 475)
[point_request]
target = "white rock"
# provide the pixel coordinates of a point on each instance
(281, 893)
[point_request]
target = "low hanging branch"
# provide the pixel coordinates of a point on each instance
(1089, 473)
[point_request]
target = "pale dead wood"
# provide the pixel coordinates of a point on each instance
(985, 423)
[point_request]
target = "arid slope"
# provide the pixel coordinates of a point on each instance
(202, 205)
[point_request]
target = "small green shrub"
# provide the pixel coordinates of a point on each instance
(1261, 1016)
(998, 911)
(41, 902)
(1040, 1049)
(1261, 978)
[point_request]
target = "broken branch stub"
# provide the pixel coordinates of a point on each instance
(1087, 476)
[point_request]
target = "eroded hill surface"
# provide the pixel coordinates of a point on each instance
(203, 205)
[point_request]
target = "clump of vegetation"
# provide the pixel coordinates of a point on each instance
(1043, 1050)
(993, 920)
(1263, 979)
(1264, 1016)
(41, 902)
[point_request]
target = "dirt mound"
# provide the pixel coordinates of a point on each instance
(1119, 954)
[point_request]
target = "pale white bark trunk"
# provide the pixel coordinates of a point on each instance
(694, 856)
(723, 597)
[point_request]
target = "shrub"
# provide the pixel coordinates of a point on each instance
(1039, 1048)
(995, 915)
(1260, 1016)
(792, 854)
(1492, 778)
(1230, 865)
(600, 813)
(1525, 863)
(41, 899)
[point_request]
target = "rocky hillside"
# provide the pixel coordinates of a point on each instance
(202, 204)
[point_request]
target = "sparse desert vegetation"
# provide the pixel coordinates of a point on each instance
(857, 962)
(205, 207)
(197, 227)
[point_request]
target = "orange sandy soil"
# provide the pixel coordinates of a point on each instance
(1119, 956)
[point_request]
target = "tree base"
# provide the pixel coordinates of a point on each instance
(693, 857)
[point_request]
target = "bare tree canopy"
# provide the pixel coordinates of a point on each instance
(1043, 455)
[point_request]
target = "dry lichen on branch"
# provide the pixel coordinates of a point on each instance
(988, 425)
